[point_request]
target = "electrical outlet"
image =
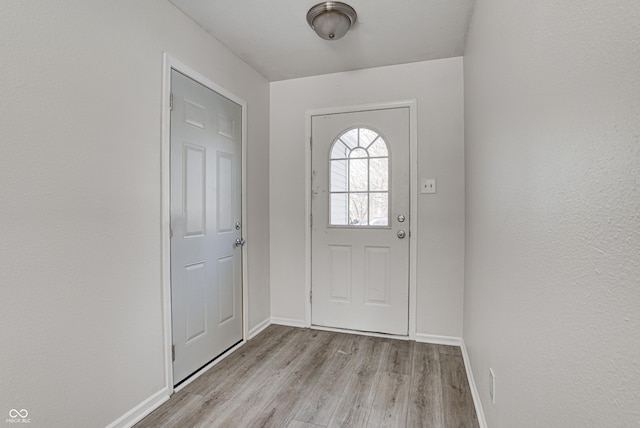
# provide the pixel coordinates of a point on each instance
(428, 185)
(492, 386)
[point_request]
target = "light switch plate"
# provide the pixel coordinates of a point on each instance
(428, 185)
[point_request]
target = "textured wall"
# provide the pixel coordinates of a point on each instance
(81, 328)
(552, 293)
(437, 86)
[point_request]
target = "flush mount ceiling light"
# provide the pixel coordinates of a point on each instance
(331, 19)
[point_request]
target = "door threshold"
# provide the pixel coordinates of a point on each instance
(193, 376)
(360, 332)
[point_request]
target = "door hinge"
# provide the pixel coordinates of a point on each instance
(311, 296)
(310, 220)
(170, 232)
(311, 143)
(171, 101)
(173, 352)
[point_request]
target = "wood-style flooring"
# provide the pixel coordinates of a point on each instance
(301, 378)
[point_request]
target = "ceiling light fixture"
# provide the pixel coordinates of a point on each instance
(331, 19)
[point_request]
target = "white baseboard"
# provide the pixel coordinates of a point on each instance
(257, 329)
(136, 414)
(482, 421)
(438, 340)
(456, 341)
(289, 322)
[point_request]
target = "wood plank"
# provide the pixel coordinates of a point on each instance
(221, 393)
(323, 398)
(400, 357)
(450, 350)
(171, 413)
(355, 406)
(284, 405)
(391, 403)
(302, 378)
(458, 408)
(298, 424)
(425, 403)
(247, 404)
(249, 355)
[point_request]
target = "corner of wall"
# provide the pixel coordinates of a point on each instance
(482, 421)
(143, 409)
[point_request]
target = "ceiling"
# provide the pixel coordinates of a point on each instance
(275, 39)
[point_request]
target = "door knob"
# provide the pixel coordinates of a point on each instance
(401, 234)
(239, 242)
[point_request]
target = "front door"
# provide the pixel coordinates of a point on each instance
(360, 220)
(206, 261)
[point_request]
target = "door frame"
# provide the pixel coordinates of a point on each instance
(412, 105)
(170, 63)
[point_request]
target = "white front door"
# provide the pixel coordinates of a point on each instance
(206, 261)
(360, 220)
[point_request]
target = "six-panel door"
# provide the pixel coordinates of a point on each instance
(206, 263)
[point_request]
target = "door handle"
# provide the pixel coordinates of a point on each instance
(401, 234)
(239, 242)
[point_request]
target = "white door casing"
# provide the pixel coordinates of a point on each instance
(360, 274)
(205, 209)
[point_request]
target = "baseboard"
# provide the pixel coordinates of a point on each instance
(482, 421)
(438, 340)
(136, 414)
(257, 329)
(289, 322)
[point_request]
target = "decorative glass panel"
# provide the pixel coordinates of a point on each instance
(359, 180)
(379, 209)
(358, 209)
(367, 136)
(339, 209)
(339, 175)
(358, 175)
(350, 138)
(378, 148)
(379, 174)
(339, 151)
(359, 153)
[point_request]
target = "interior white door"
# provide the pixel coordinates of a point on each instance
(360, 220)
(206, 258)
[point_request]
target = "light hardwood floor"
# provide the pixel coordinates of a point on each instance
(300, 378)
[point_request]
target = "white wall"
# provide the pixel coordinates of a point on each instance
(80, 254)
(552, 295)
(437, 86)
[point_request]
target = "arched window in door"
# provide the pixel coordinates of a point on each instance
(359, 175)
